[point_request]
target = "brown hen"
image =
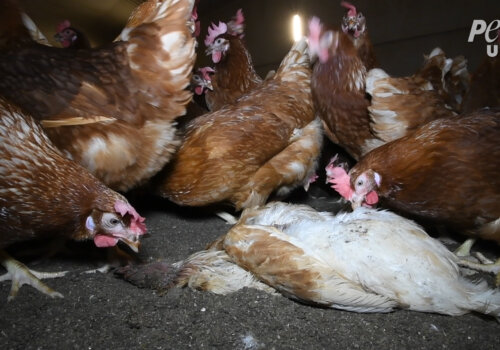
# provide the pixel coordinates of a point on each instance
(44, 194)
(117, 103)
(449, 77)
(338, 88)
(445, 172)
(267, 141)
(354, 24)
(234, 72)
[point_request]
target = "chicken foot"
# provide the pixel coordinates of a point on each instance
(19, 274)
(483, 267)
(464, 249)
(464, 252)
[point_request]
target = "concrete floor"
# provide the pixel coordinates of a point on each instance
(101, 311)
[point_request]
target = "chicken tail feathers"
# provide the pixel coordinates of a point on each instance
(458, 81)
(295, 62)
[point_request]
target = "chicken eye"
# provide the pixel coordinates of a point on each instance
(110, 220)
(218, 41)
(114, 221)
(359, 183)
(196, 78)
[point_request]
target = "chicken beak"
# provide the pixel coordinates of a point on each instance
(209, 85)
(356, 201)
(134, 245)
(352, 24)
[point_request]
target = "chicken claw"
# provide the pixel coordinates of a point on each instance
(20, 275)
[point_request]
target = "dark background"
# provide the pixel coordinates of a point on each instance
(402, 31)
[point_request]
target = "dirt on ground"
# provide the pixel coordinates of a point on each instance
(102, 311)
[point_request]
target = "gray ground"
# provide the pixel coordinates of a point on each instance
(101, 311)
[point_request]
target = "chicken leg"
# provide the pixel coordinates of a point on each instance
(483, 267)
(464, 249)
(20, 275)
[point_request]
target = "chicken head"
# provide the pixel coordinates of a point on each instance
(202, 80)
(216, 46)
(321, 43)
(361, 192)
(353, 23)
(107, 228)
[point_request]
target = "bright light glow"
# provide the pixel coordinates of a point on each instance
(296, 27)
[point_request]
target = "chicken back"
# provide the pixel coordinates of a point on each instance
(46, 194)
(269, 140)
(446, 171)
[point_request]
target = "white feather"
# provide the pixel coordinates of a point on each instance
(390, 258)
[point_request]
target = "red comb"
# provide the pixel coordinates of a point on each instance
(205, 71)
(239, 18)
(352, 9)
(236, 25)
(137, 223)
(63, 25)
(214, 31)
(314, 29)
(340, 180)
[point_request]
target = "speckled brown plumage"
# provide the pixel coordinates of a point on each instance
(135, 87)
(449, 77)
(338, 88)
(446, 171)
(267, 141)
(399, 105)
(42, 192)
(234, 76)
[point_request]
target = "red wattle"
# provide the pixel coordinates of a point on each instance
(105, 241)
(371, 198)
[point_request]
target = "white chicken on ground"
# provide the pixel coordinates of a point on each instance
(364, 261)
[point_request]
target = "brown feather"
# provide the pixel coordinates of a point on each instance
(400, 105)
(42, 192)
(241, 153)
(339, 97)
(140, 81)
(277, 262)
